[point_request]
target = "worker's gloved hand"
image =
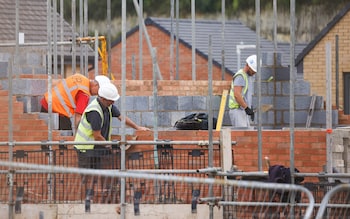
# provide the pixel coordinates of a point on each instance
(249, 112)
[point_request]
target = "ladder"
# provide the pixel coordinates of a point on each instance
(311, 111)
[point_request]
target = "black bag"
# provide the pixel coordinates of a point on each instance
(281, 174)
(194, 121)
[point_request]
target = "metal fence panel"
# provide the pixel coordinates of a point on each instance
(336, 203)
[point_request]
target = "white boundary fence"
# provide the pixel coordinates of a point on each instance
(336, 203)
(248, 199)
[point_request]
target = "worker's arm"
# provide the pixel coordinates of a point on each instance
(133, 125)
(238, 96)
(82, 100)
(98, 137)
(77, 118)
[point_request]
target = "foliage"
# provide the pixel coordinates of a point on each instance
(97, 9)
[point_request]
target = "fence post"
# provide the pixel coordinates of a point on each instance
(226, 164)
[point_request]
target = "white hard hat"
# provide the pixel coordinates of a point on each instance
(101, 79)
(109, 92)
(251, 61)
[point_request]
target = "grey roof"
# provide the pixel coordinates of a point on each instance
(323, 33)
(235, 34)
(32, 22)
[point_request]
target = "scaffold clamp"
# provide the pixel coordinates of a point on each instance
(137, 198)
(195, 196)
(89, 195)
(19, 198)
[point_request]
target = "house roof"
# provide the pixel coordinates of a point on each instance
(32, 22)
(323, 33)
(235, 34)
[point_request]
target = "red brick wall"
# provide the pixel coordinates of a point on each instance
(309, 147)
(26, 127)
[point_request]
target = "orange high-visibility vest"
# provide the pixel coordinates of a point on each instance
(64, 93)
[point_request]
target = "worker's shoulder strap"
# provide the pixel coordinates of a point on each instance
(245, 77)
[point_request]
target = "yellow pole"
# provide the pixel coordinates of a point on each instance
(222, 110)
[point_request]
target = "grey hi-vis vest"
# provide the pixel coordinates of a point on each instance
(232, 101)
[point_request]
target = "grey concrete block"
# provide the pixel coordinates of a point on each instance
(16, 70)
(278, 88)
(19, 87)
(135, 116)
(54, 119)
(30, 103)
(185, 103)
(216, 101)
(22, 58)
(319, 117)
(37, 87)
(164, 119)
(199, 103)
(267, 118)
(300, 88)
(282, 74)
(338, 163)
(26, 86)
(148, 119)
(337, 155)
(166, 103)
(39, 70)
(4, 56)
(271, 59)
(266, 72)
(302, 102)
(285, 88)
(279, 117)
(3, 69)
(27, 70)
(264, 100)
(282, 103)
(271, 88)
(338, 148)
(264, 88)
(129, 104)
(141, 103)
(33, 59)
(299, 118)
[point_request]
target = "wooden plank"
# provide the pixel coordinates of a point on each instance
(221, 110)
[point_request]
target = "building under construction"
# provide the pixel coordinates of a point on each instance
(165, 69)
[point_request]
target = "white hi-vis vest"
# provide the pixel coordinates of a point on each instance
(232, 101)
(84, 132)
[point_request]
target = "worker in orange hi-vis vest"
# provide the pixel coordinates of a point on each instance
(70, 97)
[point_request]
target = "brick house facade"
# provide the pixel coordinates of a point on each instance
(314, 57)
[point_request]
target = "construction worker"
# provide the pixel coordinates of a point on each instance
(96, 125)
(70, 97)
(241, 95)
